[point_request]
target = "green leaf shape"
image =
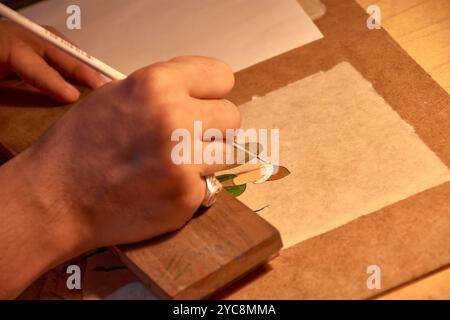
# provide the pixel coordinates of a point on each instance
(236, 190)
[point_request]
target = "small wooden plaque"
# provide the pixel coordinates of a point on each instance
(214, 249)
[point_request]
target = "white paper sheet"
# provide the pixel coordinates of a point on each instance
(131, 34)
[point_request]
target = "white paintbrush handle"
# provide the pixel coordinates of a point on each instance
(61, 43)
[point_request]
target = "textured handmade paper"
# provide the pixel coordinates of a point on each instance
(348, 151)
(131, 34)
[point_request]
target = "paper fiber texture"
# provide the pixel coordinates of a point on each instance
(131, 34)
(348, 151)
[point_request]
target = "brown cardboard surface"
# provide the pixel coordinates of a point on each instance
(407, 239)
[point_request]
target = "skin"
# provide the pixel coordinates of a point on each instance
(42, 65)
(102, 175)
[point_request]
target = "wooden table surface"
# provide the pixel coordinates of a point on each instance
(421, 28)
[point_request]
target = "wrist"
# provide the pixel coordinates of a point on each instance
(67, 228)
(39, 231)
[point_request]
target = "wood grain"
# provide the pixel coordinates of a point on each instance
(422, 29)
(213, 250)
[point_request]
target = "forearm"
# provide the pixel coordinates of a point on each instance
(32, 237)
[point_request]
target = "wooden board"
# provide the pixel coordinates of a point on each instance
(212, 251)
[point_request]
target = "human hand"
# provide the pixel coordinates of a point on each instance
(42, 65)
(105, 168)
(103, 174)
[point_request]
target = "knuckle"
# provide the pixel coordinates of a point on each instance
(226, 68)
(209, 65)
(235, 114)
(225, 71)
(19, 47)
(152, 80)
(181, 59)
(18, 44)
